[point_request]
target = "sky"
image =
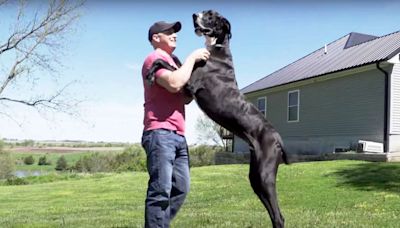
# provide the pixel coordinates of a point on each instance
(106, 53)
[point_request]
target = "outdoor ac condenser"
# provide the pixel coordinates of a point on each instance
(368, 146)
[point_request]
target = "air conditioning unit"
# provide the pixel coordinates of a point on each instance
(368, 146)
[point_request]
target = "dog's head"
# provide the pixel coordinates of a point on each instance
(211, 24)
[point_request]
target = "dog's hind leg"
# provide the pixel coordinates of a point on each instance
(265, 157)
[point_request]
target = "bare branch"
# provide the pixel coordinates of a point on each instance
(35, 43)
(11, 118)
(3, 2)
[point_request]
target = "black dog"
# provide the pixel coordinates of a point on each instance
(215, 89)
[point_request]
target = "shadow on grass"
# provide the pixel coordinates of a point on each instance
(371, 176)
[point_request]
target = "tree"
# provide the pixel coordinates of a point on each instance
(7, 166)
(29, 160)
(1, 145)
(33, 45)
(210, 132)
(43, 161)
(62, 164)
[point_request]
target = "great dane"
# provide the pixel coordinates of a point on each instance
(215, 89)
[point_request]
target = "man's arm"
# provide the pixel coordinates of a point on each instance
(174, 81)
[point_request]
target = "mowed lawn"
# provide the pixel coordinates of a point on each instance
(313, 194)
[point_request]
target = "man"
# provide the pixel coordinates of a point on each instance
(164, 126)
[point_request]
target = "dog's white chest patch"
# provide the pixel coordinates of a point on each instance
(210, 41)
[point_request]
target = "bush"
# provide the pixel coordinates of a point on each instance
(16, 181)
(203, 155)
(94, 163)
(132, 158)
(62, 164)
(29, 160)
(43, 161)
(1, 145)
(7, 165)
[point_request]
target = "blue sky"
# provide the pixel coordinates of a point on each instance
(107, 50)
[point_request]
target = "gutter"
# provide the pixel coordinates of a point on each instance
(386, 109)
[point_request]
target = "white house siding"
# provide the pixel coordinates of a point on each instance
(334, 113)
(394, 138)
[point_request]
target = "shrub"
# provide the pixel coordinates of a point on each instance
(79, 166)
(29, 160)
(7, 165)
(132, 158)
(43, 161)
(16, 181)
(203, 155)
(62, 164)
(1, 145)
(94, 163)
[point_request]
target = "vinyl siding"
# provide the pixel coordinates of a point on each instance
(395, 100)
(333, 112)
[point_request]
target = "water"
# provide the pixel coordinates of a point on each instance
(24, 173)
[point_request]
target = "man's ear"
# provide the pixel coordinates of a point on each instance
(156, 38)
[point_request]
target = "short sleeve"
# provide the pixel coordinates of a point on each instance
(150, 60)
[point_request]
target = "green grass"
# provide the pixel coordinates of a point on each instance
(314, 194)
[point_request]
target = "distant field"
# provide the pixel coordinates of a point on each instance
(60, 149)
(72, 155)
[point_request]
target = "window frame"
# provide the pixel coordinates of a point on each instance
(265, 105)
(289, 106)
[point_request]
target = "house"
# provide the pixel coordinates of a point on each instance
(343, 96)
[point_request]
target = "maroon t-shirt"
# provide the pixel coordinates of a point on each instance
(162, 109)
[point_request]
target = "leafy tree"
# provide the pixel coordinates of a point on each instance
(29, 160)
(7, 166)
(62, 164)
(1, 145)
(43, 161)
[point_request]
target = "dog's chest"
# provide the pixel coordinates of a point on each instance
(218, 68)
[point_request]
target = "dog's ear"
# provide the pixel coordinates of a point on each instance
(227, 27)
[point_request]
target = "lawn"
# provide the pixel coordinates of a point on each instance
(314, 194)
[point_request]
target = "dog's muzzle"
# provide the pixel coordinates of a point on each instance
(199, 29)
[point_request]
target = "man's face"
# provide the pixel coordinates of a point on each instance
(166, 40)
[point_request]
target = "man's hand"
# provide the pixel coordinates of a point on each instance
(200, 54)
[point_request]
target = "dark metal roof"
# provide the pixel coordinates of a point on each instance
(352, 50)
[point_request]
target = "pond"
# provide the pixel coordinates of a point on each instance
(26, 173)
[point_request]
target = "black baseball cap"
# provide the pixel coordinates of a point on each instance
(162, 26)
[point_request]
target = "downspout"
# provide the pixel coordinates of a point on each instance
(386, 109)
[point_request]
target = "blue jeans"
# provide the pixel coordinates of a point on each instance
(168, 167)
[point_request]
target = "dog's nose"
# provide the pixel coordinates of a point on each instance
(194, 16)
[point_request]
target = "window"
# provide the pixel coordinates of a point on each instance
(293, 105)
(262, 105)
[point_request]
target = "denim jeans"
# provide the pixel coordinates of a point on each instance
(168, 167)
